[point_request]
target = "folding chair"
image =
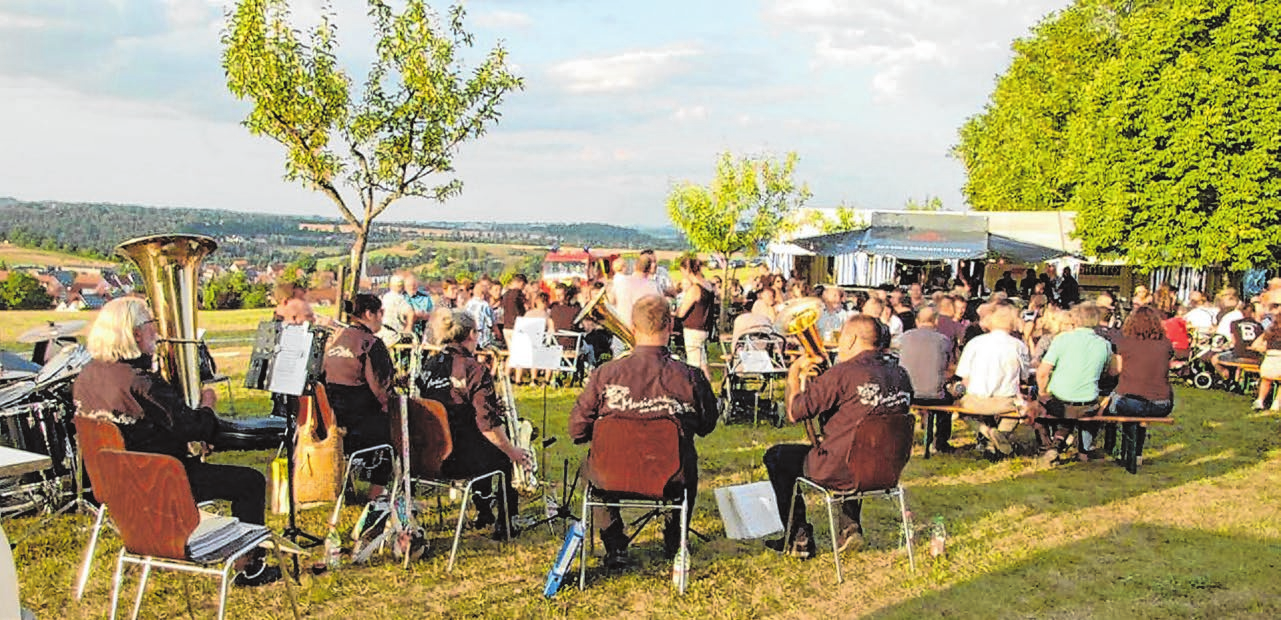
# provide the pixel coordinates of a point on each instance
(158, 520)
(430, 443)
(571, 362)
(94, 435)
(635, 462)
(880, 450)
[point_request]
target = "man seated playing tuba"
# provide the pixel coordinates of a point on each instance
(862, 383)
(647, 382)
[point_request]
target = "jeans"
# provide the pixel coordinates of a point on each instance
(1135, 407)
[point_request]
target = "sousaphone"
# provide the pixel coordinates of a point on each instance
(602, 312)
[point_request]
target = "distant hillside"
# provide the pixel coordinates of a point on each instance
(93, 230)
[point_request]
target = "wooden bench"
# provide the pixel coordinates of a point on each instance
(1133, 430)
(1238, 371)
(929, 414)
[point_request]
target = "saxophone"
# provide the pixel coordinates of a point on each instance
(521, 432)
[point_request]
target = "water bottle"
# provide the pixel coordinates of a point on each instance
(333, 549)
(938, 538)
(680, 568)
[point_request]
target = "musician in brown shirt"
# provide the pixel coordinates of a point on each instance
(456, 379)
(647, 382)
(862, 383)
(358, 377)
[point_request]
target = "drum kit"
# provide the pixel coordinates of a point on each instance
(35, 416)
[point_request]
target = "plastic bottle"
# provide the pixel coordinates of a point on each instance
(680, 568)
(333, 549)
(938, 538)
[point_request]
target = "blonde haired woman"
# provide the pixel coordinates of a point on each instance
(119, 386)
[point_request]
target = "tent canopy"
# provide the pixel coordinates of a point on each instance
(921, 236)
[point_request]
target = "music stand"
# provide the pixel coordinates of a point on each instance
(288, 363)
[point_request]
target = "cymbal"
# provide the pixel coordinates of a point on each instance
(52, 331)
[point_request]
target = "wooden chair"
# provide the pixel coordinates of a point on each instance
(635, 462)
(152, 505)
(881, 448)
(430, 443)
(94, 435)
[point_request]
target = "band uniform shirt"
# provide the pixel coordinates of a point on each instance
(994, 364)
(456, 379)
(863, 385)
(925, 354)
(151, 413)
(648, 383)
(1079, 357)
(397, 312)
(358, 358)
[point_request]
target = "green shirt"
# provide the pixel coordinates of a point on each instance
(1079, 357)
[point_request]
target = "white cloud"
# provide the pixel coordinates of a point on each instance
(908, 41)
(690, 113)
(628, 71)
(503, 20)
(15, 21)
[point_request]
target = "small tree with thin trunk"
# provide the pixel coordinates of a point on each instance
(394, 138)
(749, 202)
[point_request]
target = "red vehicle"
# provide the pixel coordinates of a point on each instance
(565, 265)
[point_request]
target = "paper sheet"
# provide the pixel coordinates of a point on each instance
(748, 510)
(529, 348)
(289, 368)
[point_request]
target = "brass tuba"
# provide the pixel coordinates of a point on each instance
(599, 310)
(799, 318)
(169, 266)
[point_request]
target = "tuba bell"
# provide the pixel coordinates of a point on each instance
(799, 318)
(602, 312)
(169, 266)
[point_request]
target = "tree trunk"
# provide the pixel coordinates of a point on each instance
(726, 324)
(357, 257)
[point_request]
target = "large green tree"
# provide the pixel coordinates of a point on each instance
(21, 291)
(1177, 143)
(750, 201)
(397, 135)
(1157, 122)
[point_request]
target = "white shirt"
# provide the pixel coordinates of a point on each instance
(396, 311)
(830, 323)
(1225, 324)
(1201, 318)
(993, 364)
(629, 289)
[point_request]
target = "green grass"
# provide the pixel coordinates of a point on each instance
(1193, 535)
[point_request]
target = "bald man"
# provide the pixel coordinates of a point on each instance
(861, 384)
(927, 356)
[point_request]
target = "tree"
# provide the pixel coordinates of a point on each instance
(844, 220)
(1155, 121)
(930, 204)
(1175, 144)
(392, 140)
(749, 202)
(21, 291)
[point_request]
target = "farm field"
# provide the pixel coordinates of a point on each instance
(1192, 535)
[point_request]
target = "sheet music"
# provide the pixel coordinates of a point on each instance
(289, 368)
(528, 346)
(748, 510)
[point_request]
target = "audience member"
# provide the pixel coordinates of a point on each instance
(927, 356)
(992, 366)
(1068, 379)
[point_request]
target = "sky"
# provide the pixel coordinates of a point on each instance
(125, 101)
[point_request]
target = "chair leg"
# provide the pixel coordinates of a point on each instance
(588, 534)
(86, 564)
(289, 580)
(929, 431)
(791, 517)
(831, 524)
(458, 530)
(907, 526)
(502, 490)
(222, 589)
(116, 582)
(142, 588)
(683, 554)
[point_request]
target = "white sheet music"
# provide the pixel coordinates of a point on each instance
(289, 368)
(748, 510)
(529, 348)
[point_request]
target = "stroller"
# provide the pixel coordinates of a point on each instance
(1197, 370)
(754, 362)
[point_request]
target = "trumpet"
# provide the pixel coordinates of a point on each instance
(799, 318)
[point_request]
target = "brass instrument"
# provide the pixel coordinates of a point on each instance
(169, 266)
(799, 318)
(520, 432)
(602, 312)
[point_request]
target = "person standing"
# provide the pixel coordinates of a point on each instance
(696, 313)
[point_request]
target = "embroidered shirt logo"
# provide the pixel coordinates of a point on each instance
(340, 351)
(619, 398)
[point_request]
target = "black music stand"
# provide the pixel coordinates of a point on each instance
(262, 366)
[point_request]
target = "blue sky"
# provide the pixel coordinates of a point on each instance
(124, 101)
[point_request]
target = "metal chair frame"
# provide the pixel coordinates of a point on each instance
(832, 497)
(655, 506)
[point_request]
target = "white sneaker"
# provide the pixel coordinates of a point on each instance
(1258, 405)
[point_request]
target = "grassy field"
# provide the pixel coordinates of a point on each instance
(14, 255)
(1193, 535)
